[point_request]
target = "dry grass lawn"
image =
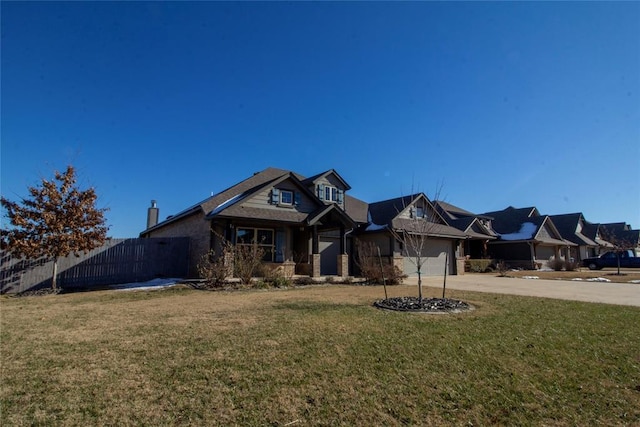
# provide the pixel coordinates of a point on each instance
(314, 356)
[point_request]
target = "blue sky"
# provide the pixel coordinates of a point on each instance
(522, 104)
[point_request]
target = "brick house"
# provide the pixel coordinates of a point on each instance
(304, 224)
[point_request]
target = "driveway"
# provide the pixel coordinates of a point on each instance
(608, 293)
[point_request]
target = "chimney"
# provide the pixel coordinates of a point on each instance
(152, 215)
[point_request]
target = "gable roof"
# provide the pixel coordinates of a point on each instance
(510, 220)
(387, 213)
(567, 225)
(210, 203)
(316, 177)
(227, 201)
(473, 228)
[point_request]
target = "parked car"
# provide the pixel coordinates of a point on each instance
(628, 259)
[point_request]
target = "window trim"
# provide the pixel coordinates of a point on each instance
(290, 193)
(271, 248)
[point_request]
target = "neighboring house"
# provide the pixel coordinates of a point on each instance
(573, 227)
(592, 231)
(477, 229)
(620, 234)
(301, 223)
(525, 238)
(415, 214)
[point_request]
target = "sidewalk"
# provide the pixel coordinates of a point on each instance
(608, 293)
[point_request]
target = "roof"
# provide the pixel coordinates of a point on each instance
(226, 203)
(356, 208)
(314, 178)
(386, 213)
(567, 226)
(455, 212)
(469, 226)
(510, 220)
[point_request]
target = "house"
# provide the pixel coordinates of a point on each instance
(525, 238)
(477, 229)
(300, 223)
(307, 226)
(573, 228)
(389, 223)
(620, 234)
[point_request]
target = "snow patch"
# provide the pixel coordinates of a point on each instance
(526, 232)
(598, 279)
(373, 226)
(634, 281)
(530, 277)
(226, 204)
(145, 286)
(577, 279)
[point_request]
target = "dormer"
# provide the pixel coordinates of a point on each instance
(329, 187)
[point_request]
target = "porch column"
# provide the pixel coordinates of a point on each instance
(315, 256)
(343, 258)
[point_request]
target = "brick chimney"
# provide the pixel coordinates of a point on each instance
(152, 215)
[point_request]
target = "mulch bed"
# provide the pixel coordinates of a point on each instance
(427, 305)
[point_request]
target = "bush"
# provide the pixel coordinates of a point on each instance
(212, 268)
(275, 277)
(305, 280)
(478, 265)
(556, 264)
(571, 265)
(502, 268)
(246, 261)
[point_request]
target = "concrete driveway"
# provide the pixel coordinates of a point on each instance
(608, 293)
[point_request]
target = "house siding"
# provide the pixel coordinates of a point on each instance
(263, 199)
(332, 181)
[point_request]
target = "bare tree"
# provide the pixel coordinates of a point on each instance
(56, 220)
(415, 231)
(619, 241)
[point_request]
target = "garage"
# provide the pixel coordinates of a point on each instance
(435, 252)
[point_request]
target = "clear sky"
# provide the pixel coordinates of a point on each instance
(522, 104)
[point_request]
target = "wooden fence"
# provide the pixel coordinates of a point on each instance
(117, 261)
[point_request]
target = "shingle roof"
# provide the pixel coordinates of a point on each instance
(355, 208)
(384, 211)
(313, 178)
(567, 225)
(510, 220)
(210, 203)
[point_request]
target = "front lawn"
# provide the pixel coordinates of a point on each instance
(315, 356)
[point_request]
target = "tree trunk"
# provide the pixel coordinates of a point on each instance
(54, 277)
(618, 263)
(419, 285)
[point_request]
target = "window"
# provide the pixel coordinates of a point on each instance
(330, 193)
(419, 212)
(257, 238)
(286, 197)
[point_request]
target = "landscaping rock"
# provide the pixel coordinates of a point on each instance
(427, 305)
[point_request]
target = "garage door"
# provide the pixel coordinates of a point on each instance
(435, 254)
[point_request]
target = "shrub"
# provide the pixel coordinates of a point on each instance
(212, 268)
(478, 265)
(329, 279)
(305, 280)
(556, 264)
(246, 261)
(571, 265)
(502, 268)
(275, 277)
